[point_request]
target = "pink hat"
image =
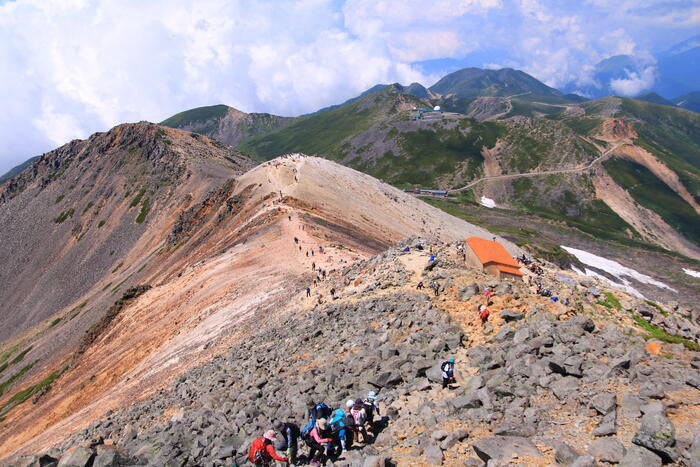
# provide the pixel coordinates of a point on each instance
(270, 434)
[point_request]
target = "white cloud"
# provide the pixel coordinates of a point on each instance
(72, 67)
(635, 82)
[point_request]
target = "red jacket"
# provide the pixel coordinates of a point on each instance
(268, 451)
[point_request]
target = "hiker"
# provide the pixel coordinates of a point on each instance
(307, 253)
(312, 252)
(308, 291)
(420, 285)
(296, 240)
(431, 259)
(371, 409)
(319, 442)
(316, 411)
(313, 265)
(262, 451)
(484, 315)
(436, 288)
(488, 293)
(333, 292)
(290, 439)
(340, 433)
(448, 372)
(290, 218)
(359, 415)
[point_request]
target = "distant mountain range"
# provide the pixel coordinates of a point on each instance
(503, 122)
(671, 74)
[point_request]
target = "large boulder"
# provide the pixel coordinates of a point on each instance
(501, 449)
(604, 402)
(433, 454)
(510, 315)
(657, 433)
(386, 379)
(77, 457)
(607, 450)
(638, 456)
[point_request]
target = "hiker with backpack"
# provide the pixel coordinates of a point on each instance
(290, 439)
(316, 412)
(448, 372)
(483, 314)
(319, 442)
(359, 415)
(338, 428)
(262, 452)
(371, 409)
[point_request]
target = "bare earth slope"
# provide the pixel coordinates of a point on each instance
(216, 262)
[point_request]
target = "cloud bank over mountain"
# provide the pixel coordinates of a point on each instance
(72, 67)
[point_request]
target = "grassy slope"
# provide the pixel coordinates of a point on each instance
(199, 114)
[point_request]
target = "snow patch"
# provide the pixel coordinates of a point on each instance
(487, 202)
(690, 272)
(615, 269)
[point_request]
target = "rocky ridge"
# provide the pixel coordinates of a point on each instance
(540, 383)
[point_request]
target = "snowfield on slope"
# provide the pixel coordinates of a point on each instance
(690, 272)
(614, 268)
(487, 202)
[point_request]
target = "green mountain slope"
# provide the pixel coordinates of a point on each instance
(15, 170)
(225, 123)
(475, 82)
(690, 101)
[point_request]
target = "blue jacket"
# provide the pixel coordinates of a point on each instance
(339, 419)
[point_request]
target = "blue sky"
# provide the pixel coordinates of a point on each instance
(69, 68)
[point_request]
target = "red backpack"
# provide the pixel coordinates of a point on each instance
(257, 453)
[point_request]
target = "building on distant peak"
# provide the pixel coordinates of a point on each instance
(492, 257)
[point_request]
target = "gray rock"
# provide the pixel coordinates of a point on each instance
(604, 402)
(607, 426)
(564, 387)
(607, 450)
(376, 461)
(638, 456)
(502, 448)
(386, 379)
(433, 454)
(657, 433)
(594, 291)
(434, 374)
(453, 438)
(584, 461)
(694, 452)
(77, 457)
(565, 454)
(509, 315)
(468, 291)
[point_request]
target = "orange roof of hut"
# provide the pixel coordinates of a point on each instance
(490, 251)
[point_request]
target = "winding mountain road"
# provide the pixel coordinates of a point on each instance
(603, 155)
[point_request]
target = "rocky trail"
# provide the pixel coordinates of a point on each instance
(541, 383)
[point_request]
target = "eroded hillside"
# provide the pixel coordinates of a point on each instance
(212, 264)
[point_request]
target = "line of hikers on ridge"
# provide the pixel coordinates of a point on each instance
(327, 434)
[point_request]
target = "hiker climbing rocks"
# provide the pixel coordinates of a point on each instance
(316, 411)
(296, 240)
(333, 292)
(290, 439)
(319, 442)
(359, 415)
(337, 426)
(308, 291)
(448, 372)
(313, 265)
(436, 288)
(483, 314)
(488, 293)
(312, 252)
(371, 409)
(262, 451)
(420, 285)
